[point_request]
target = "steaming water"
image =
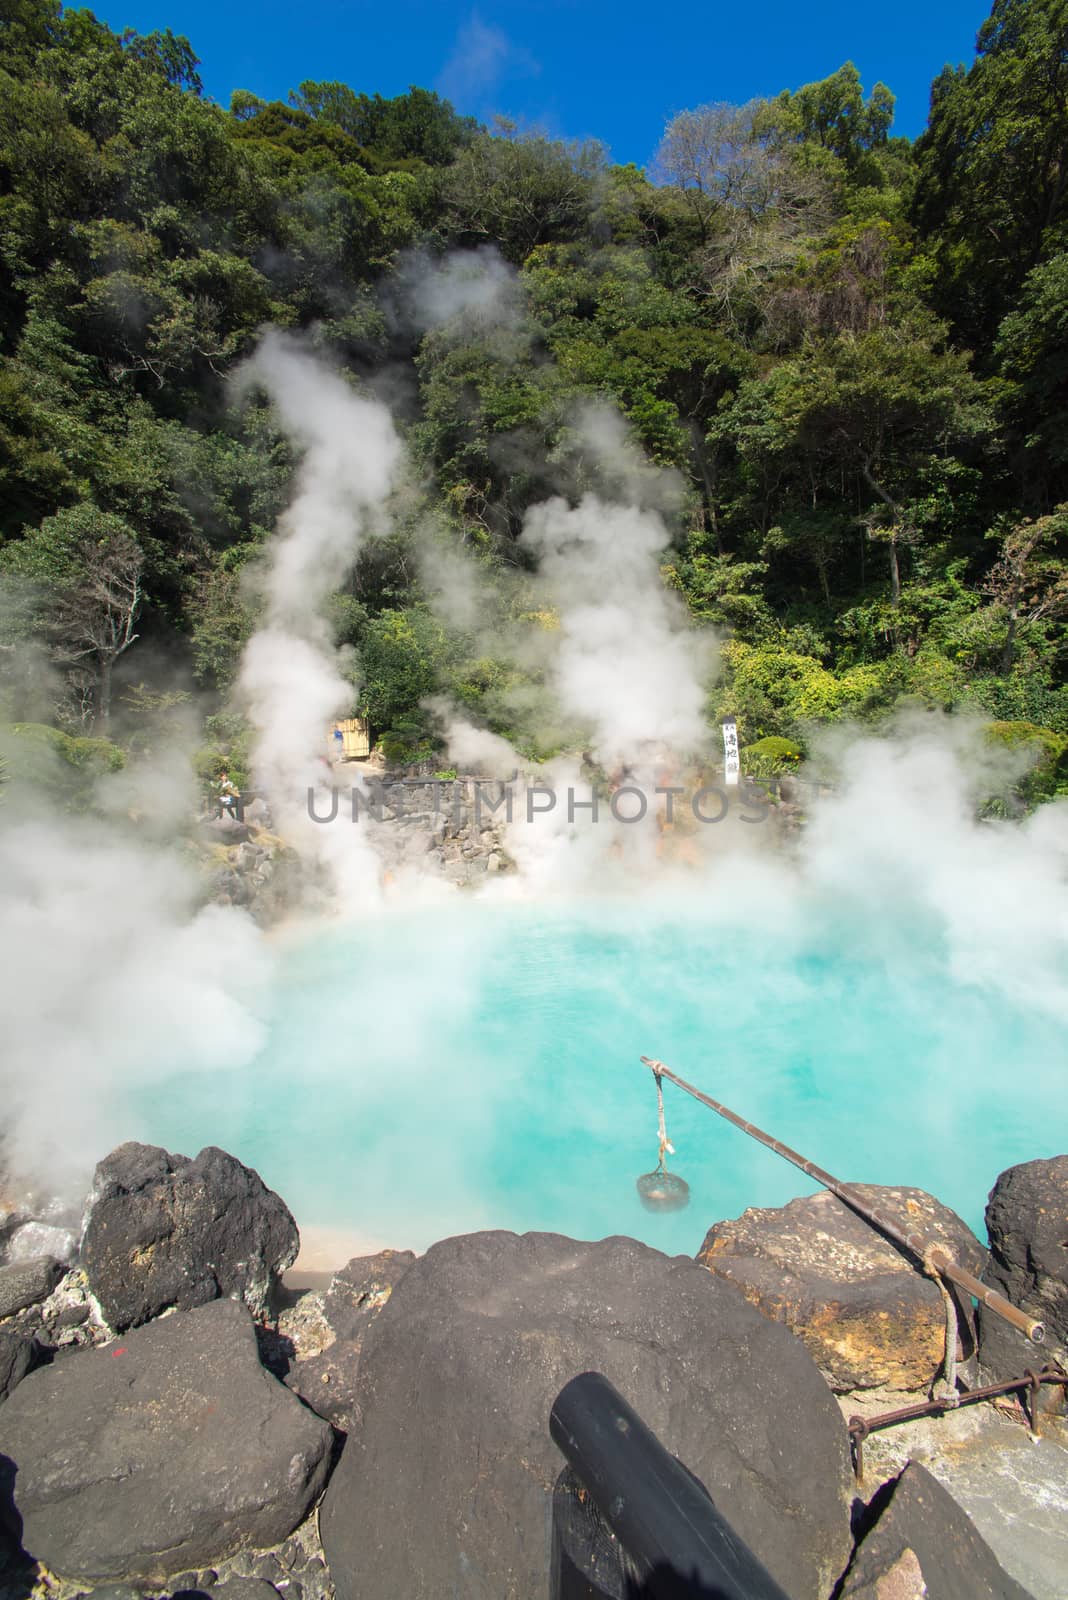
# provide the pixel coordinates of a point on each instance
(477, 1066)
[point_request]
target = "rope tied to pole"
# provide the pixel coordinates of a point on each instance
(665, 1145)
(662, 1190)
(945, 1388)
(933, 1259)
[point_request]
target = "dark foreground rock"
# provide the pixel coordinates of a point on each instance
(445, 1488)
(1027, 1220)
(243, 1589)
(326, 1378)
(865, 1312)
(164, 1231)
(166, 1450)
(26, 1283)
(18, 1353)
(921, 1517)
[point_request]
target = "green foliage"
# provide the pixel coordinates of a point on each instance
(56, 556)
(848, 352)
(417, 124)
(46, 765)
(222, 628)
(1046, 771)
(96, 756)
(404, 656)
(491, 415)
(619, 332)
(773, 690)
(211, 761)
(407, 742)
(990, 190)
(1032, 352)
(834, 115)
(770, 757)
(518, 193)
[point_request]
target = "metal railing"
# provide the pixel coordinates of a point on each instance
(630, 1522)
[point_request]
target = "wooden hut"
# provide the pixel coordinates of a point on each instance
(355, 741)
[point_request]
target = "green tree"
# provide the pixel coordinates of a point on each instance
(404, 656)
(889, 417)
(518, 192)
(417, 125)
(992, 189)
(1032, 353)
(834, 115)
(83, 567)
(1029, 582)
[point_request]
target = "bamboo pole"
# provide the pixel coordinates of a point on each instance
(934, 1257)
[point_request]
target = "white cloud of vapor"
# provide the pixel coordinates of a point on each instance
(291, 679)
(475, 289)
(481, 57)
(626, 662)
(112, 978)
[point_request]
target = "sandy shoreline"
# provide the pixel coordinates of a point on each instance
(323, 1251)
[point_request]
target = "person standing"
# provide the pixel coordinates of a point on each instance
(229, 798)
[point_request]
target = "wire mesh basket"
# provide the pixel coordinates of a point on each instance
(663, 1191)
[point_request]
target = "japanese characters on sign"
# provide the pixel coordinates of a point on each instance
(731, 765)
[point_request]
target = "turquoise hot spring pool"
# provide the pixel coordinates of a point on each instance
(472, 1066)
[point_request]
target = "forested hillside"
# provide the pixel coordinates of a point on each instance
(852, 348)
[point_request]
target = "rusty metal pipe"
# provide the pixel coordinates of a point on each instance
(932, 1256)
(933, 1408)
(860, 1427)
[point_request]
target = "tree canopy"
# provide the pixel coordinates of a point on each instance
(847, 350)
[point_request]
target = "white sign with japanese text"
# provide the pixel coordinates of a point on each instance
(731, 766)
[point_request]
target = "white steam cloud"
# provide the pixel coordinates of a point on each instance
(291, 677)
(112, 980)
(900, 843)
(475, 288)
(626, 663)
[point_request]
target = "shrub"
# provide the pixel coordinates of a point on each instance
(1047, 775)
(211, 762)
(769, 757)
(773, 690)
(61, 766)
(405, 656)
(935, 680)
(407, 741)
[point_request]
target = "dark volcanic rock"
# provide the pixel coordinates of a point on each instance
(163, 1451)
(244, 1589)
(19, 1351)
(445, 1487)
(1027, 1220)
(163, 1231)
(115, 1591)
(226, 830)
(867, 1314)
(24, 1283)
(327, 1381)
(956, 1562)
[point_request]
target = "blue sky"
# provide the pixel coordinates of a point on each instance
(576, 68)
